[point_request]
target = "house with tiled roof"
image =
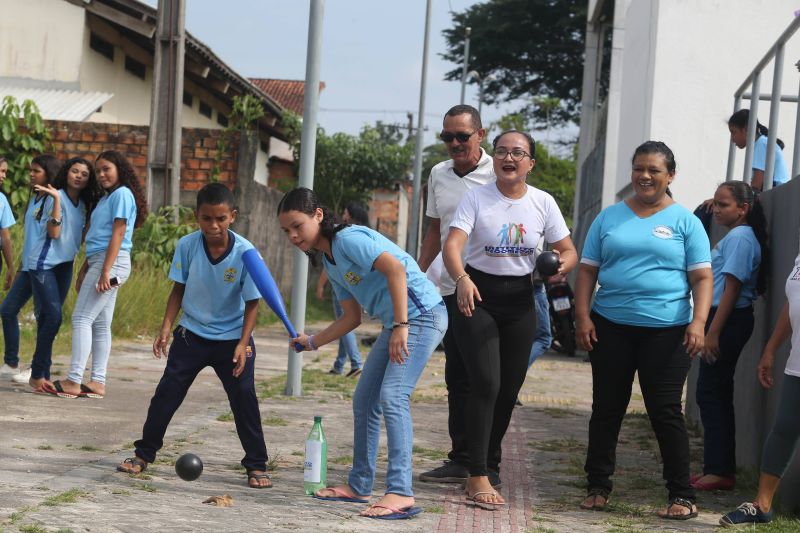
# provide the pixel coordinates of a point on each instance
(89, 66)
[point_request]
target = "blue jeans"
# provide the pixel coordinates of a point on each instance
(91, 318)
(543, 337)
(714, 393)
(49, 289)
(385, 388)
(348, 345)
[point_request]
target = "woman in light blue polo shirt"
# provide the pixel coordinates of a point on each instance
(648, 255)
(367, 269)
(107, 266)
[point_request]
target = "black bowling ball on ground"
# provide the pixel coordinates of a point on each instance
(188, 467)
(547, 263)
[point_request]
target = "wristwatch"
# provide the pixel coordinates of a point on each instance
(55, 221)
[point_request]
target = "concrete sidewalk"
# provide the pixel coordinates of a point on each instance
(58, 457)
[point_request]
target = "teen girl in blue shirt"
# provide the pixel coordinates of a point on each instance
(54, 225)
(366, 269)
(740, 275)
(648, 254)
(6, 221)
(107, 266)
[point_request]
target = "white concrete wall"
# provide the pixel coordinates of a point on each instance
(700, 52)
(41, 40)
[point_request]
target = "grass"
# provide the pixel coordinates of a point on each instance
(89, 448)
(434, 509)
(32, 528)
(225, 417)
(341, 460)
(274, 421)
(147, 487)
(44, 447)
(68, 496)
(566, 444)
(429, 453)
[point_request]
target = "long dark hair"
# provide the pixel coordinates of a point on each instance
(91, 193)
(743, 194)
(51, 166)
(359, 214)
(305, 201)
(742, 117)
(127, 177)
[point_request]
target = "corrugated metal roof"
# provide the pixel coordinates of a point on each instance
(59, 104)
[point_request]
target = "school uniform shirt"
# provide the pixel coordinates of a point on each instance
(781, 173)
(793, 297)
(119, 205)
(445, 191)
(352, 274)
(45, 253)
(504, 233)
(643, 264)
(6, 215)
(36, 216)
(215, 289)
(737, 254)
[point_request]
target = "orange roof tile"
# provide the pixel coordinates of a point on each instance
(288, 93)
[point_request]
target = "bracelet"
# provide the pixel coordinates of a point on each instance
(310, 341)
(462, 276)
(400, 325)
(55, 221)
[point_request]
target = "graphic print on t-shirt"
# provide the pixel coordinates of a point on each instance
(511, 235)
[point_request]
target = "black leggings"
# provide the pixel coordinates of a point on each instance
(495, 344)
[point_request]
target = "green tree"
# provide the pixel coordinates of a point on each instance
(23, 135)
(245, 113)
(349, 167)
(532, 47)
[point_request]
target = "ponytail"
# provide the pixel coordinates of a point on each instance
(743, 194)
(305, 200)
(740, 120)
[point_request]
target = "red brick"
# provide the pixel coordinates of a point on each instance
(205, 164)
(101, 137)
(192, 164)
(209, 142)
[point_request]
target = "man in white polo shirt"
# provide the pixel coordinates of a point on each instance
(470, 166)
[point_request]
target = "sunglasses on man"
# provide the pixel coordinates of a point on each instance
(448, 137)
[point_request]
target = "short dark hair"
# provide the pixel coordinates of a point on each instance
(464, 109)
(359, 213)
(215, 194)
(656, 147)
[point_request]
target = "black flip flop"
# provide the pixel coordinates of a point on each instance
(683, 502)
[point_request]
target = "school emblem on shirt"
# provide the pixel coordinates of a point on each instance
(352, 278)
(229, 276)
(795, 275)
(663, 232)
(178, 265)
(510, 236)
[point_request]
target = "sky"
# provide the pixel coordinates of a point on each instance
(371, 55)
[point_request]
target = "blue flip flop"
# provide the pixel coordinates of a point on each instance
(341, 496)
(396, 514)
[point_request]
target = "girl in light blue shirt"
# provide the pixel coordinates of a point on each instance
(6, 221)
(738, 263)
(368, 270)
(32, 282)
(107, 266)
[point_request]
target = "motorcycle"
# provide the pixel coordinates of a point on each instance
(562, 313)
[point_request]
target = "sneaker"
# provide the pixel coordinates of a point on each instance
(747, 513)
(354, 372)
(449, 472)
(334, 372)
(8, 371)
(23, 376)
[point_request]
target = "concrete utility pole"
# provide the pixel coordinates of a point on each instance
(465, 66)
(413, 233)
(308, 141)
(164, 142)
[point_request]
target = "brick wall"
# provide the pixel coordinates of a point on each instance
(198, 152)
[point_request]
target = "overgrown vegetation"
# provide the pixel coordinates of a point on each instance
(23, 136)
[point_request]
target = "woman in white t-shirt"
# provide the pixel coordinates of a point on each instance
(500, 225)
(782, 440)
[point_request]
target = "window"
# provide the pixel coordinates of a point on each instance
(205, 109)
(222, 120)
(187, 99)
(134, 67)
(101, 46)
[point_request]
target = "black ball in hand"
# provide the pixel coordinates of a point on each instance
(547, 263)
(188, 467)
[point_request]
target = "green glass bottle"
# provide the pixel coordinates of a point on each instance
(315, 466)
